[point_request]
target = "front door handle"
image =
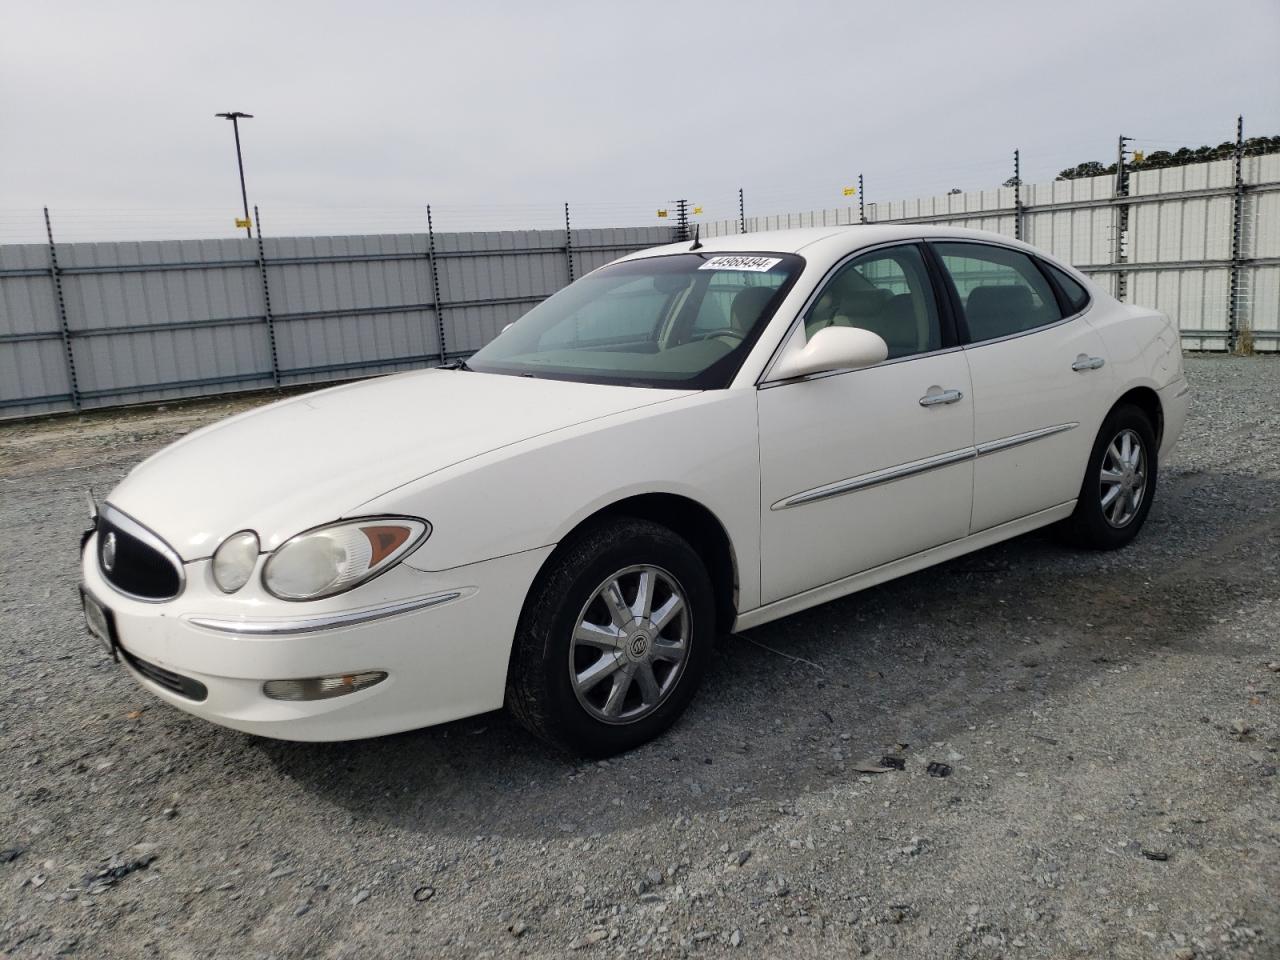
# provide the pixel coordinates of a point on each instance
(936, 395)
(1086, 362)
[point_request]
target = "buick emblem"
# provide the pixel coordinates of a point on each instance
(639, 645)
(109, 553)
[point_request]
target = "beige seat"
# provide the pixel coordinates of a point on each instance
(747, 306)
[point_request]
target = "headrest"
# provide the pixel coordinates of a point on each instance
(746, 307)
(996, 310)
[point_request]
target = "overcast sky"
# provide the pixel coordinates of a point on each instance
(496, 113)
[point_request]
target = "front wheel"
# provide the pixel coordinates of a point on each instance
(1119, 482)
(613, 640)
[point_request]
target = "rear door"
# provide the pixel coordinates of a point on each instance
(1040, 382)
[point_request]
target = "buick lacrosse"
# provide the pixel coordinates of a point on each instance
(694, 439)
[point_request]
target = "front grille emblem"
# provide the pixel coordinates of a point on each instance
(109, 553)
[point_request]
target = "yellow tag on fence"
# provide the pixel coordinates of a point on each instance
(662, 213)
(243, 224)
(850, 191)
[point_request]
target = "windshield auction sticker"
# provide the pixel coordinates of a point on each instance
(750, 264)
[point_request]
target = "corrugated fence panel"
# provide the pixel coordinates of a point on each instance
(163, 319)
(1078, 220)
(1083, 236)
(33, 368)
(502, 276)
(350, 306)
(1195, 297)
(1260, 285)
(156, 320)
(1181, 230)
(599, 245)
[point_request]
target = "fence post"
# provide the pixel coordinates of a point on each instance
(1017, 196)
(435, 283)
(1122, 219)
(1234, 339)
(568, 242)
(266, 301)
(742, 214)
(682, 221)
(862, 209)
(56, 275)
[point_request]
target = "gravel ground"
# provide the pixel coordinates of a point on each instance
(1109, 721)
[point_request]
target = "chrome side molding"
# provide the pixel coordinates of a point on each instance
(915, 467)
(1018, 439)
(876, 478)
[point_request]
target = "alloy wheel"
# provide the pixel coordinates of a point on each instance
(1123, 479)
(630, 644)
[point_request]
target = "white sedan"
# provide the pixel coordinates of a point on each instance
(695, 439)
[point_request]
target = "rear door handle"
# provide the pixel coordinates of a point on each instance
(1086, 362)
(936, 395)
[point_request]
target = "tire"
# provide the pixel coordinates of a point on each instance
(1108, 527)
(568, 628)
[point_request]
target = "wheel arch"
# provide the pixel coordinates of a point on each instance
(687, 518)
(1148, 401)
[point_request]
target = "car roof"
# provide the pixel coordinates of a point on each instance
(829, 243)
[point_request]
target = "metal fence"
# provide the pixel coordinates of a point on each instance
(1200, 242)
(88, 325)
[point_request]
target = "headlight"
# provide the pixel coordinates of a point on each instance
(329, 560)
(234, 560)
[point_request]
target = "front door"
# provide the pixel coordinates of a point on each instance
(862, 467)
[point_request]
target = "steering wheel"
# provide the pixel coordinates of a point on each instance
(731, 334)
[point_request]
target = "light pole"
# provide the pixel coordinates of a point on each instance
(235, 116)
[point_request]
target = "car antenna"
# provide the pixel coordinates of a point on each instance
(697, 244)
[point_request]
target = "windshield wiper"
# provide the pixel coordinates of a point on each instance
(458, 364)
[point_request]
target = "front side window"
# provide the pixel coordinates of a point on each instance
(686, 320)
(1002, 291)
(887, 292)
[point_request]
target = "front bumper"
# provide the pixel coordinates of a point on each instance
(443, 638)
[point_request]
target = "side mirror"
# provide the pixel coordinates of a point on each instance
(833, 348)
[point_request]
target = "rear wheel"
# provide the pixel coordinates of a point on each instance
(613, 639)
(1119, 483)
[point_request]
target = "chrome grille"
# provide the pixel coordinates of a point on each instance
(134, 560)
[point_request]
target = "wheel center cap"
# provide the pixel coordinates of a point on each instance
(638, 646)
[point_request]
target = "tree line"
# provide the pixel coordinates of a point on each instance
(1254, 146)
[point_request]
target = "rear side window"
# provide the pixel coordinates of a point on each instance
(1002, 291)
(1077, 296)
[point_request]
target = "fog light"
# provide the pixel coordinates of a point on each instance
(321, 688)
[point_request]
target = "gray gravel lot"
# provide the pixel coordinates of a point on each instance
(1110, 720)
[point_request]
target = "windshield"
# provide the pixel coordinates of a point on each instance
(685, 321)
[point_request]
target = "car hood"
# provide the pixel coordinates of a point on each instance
(305, 461)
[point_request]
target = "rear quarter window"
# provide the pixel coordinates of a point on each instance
(1077, 296)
